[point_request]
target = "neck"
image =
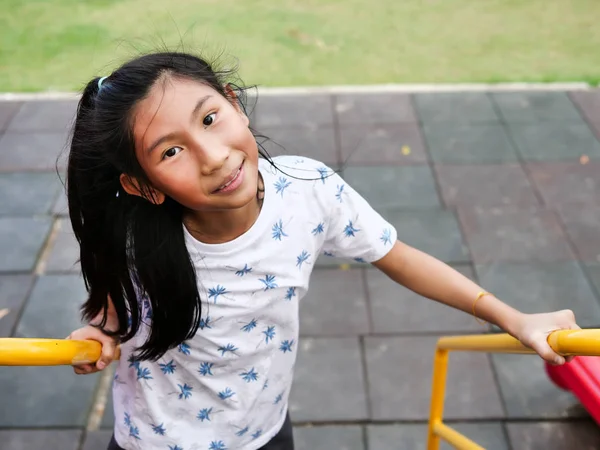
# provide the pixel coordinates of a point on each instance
(217, 227)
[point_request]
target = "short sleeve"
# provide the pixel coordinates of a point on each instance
(355, 230)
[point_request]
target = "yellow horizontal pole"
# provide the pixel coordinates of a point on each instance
(454, 438)
(48, 352)
(564, 342)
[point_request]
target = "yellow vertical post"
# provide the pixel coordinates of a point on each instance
(440, 369)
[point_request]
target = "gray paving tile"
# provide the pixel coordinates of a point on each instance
(514, 234)
(400, 371)
(335, 304)
(527, 391)
(433, 231)
(374, 108)
(26, 193)
(485, 185)
(313, 142)
(469, 144)
(382, 144)
(36, 396)
(395, 309)
(531, 106)
(7, 111)
(21, 240)
(108, 419)
(490, 436)
(13, 294)
(55, 115)
(455, 107)
(328, 438)
(292, 110)
(64, 253)
(593, 271)
(40, 439)
(583, 435)
(581, 223)
(394, 186)
(327, 369)
(549, 141)
(32, 151)
(542, 287)
(97, 440)
(588, 102)
(561, 183)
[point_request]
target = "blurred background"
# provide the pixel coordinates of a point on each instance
(501, 182)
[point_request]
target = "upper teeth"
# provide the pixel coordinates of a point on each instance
(232, 180)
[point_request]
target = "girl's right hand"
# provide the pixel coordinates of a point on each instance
(109, 346)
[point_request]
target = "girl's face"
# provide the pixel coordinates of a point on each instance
(195, 147)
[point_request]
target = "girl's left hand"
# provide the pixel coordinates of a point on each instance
(533, 331)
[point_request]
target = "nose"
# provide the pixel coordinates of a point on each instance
(212, 156)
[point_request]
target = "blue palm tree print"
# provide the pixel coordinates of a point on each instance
(134, 432)
(204, 414)
(291, 292)
(127, 419)
(168, 368)
(330, 254)
(225, 394)
(244, 271)
(249, 326)
(386, 236)
(286, 346)
(184, 348)
(133, 362)
(205, 323)
(278, 399)
(302, 258)
(340, 191)
(215, 292)
(205, 369)
(269, 282)
(143, 373)
(228, 348)
(175, 447)
(360, 260)
(269, 333)
(323, 172)
(278, 232)
(217, 445)
(243, 431)
(319, 229)
(257, 434)
(349, 229)
(158, 429)
(186, 391)
(281, 184)
(250, 375)
(266, 385)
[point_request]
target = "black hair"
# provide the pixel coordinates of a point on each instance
(130, 247)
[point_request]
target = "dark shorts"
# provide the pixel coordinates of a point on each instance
(284, 440)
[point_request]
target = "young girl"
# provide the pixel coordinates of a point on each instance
(197, 247)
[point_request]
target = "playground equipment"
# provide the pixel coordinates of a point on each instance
(581, 376)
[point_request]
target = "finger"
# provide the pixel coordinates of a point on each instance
(107, 355)
(84, 369)
(569, 358)
(543, 349)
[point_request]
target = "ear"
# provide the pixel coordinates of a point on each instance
(234, 99)
(132, 187)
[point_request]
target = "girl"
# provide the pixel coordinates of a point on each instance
(196, 248)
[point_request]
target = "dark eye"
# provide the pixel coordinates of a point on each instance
(171, 152)
(208, 120)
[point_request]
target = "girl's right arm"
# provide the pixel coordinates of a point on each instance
(91, 332)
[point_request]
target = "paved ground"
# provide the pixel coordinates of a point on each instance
(504, 186)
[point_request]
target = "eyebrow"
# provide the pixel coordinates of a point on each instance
(169, 136)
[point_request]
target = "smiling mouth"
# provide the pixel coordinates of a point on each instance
(233, 178)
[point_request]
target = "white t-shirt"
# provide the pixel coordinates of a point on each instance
(228, 386)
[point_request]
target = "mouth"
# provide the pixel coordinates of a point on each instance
(232, 181)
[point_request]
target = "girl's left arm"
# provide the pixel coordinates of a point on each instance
(431, 278)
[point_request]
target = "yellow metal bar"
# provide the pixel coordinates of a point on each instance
(565, 342)
(440, 369)
(454, 438)
(48, 352)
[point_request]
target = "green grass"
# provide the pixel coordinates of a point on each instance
(60, 44)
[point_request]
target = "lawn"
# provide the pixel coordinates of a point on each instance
(49, 45)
